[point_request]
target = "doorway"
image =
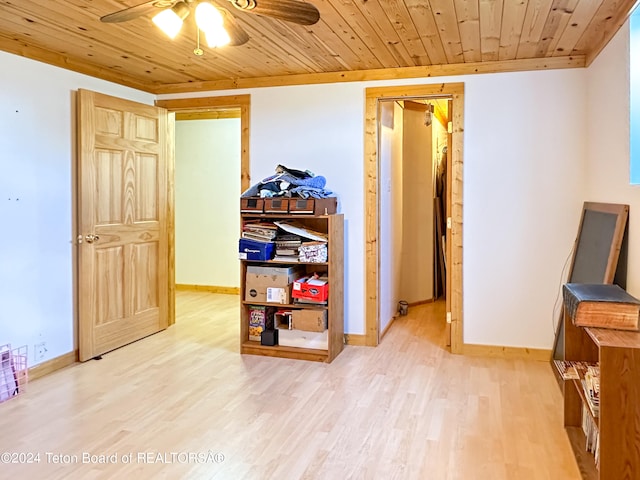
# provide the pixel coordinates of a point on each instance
(454, 92)
(205, 106)
(207, 163)
(412, 141)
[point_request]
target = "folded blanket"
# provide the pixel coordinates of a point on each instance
(273, 182)
(307, 192)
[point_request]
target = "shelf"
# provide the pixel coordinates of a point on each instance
(583, 396)
(287, 305)
(281, 216)
(253, 347)
(586, 462)
(607, 337)
(333, 310)
(277, 262)
(618, 355)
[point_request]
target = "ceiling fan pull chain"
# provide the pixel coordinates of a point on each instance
(198, 51)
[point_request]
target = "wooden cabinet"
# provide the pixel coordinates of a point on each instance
(333, 268)
(618, 353)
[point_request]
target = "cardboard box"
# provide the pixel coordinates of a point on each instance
(260, 319)
(282, 319)
(311, 290)
(255, 250)
(291, 273)
(302, 339)
(309, 320)
(262, 288)
(269, 284)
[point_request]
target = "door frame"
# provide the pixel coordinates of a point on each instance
(372, 214)
(200, 105)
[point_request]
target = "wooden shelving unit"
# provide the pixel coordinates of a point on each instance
(618, 354)
(333, 226)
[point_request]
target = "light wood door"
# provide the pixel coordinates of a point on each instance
(123, 158)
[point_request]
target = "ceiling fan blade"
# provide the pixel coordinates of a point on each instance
(294, 11)
(236, 32)
(136, 11)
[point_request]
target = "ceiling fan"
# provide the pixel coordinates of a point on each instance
(218, 25)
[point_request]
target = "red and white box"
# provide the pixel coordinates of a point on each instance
(311, 289)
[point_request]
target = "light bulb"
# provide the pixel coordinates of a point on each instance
(208, 17)
(217, 38)
(210, 21)
(170, 20)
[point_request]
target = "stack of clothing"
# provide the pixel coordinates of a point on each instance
(289, 182)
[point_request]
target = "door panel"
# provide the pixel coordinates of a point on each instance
(109, 286)
(122, 208)
(108, 170)
(145, 271)
(146, 189)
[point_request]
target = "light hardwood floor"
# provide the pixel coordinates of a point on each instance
(404, 410)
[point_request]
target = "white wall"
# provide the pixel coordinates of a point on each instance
(634, 94)
(390, 210)
(524, 153)
(523, 191)
(608, 142)
(37, 125)
(207, 190)
(320, 128)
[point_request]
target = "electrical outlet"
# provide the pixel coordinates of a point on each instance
(40, 351)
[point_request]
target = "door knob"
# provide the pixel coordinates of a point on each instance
(90, 238)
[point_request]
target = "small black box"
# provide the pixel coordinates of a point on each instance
(269, 337)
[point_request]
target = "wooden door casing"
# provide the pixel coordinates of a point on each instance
(448, 261)
(122, 200)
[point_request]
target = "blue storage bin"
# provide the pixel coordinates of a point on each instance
(255, 250)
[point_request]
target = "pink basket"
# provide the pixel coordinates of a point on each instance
(13, 371)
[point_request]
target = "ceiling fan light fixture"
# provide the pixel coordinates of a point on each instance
(217, 38)
(210, 21)
(170, 20)
(208, 17)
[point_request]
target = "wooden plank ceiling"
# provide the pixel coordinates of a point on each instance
(354, 40)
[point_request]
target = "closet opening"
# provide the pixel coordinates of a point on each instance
(413, 136)
(414, 205)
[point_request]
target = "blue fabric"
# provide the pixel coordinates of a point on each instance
(314, 182)
(307, 192)
(311, 187)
